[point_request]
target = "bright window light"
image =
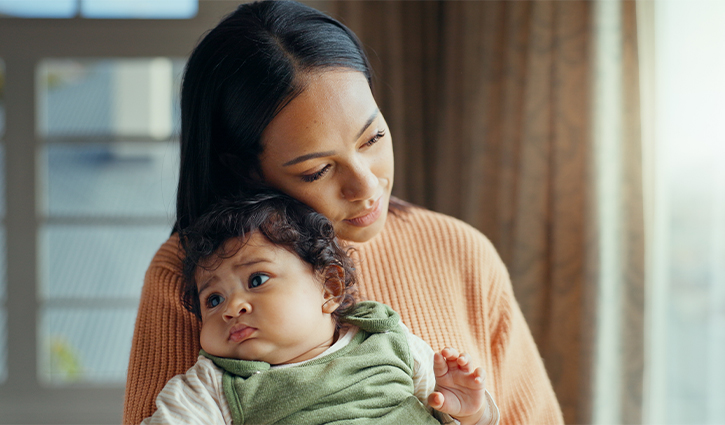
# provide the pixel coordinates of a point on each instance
(100, 9)
(39, 8)
(140, 9)
(688, 271)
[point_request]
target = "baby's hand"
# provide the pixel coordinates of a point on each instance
(460, 388)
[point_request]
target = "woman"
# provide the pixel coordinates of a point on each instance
(278, 94)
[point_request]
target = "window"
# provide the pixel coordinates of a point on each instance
(88, 160)
(109, 172)
(3, 279)
(687, 379)
(103, 9)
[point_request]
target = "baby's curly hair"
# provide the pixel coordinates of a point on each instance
(281, 219)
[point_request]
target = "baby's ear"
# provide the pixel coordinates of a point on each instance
(333, 287)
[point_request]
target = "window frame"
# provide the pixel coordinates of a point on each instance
(24, 43)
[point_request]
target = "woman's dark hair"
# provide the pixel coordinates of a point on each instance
(241, 74)
(281, 219)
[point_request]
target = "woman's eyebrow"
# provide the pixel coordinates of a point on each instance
(303, 158)
(368, 122)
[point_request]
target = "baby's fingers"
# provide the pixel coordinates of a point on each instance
(436, 400)
(440, 366)
(463, 362)
(445, 361)
(449, 353)
(479, 378)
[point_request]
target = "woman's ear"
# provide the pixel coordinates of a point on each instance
(333, 288)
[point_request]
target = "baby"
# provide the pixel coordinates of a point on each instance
(284, 341)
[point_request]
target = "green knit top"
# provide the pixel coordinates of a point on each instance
(369, 381)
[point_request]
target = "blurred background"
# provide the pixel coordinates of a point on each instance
(586, 139)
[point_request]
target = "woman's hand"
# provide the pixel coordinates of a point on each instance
(460, 388)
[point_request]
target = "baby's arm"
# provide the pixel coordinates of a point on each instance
(460, 388)
(424, 381)
(195, 397)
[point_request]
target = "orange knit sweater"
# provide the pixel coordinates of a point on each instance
(443, 277)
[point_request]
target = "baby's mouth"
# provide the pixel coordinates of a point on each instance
(240, 333)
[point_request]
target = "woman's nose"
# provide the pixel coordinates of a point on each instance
(236, 307)
(361, 183)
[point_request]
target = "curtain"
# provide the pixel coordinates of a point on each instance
(521, 118)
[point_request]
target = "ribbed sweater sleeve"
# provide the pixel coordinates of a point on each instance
(444, 278)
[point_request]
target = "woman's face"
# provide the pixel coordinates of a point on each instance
(331, 149)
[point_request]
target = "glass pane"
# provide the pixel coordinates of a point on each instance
(39, 8)
(690, 224)
(3, 348)
(148, 9)
(111, 97)
(3, 274)
(92, 262)
(2, 98)
(690, 287)
(85, 345)
(3, 329)
(130, 179)
(2, 180)
(3, 266)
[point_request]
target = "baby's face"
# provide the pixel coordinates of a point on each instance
(263, 304)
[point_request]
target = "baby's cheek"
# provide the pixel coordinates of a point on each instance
(207, 340)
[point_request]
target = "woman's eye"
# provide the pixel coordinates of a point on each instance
(214, 300)
(315, 176)
(257, 280)
(375, 139)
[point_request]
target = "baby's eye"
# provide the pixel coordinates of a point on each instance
(214, 300)
(257, 280)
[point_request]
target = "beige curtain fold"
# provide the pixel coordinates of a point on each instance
(492, 109)
(634, 277)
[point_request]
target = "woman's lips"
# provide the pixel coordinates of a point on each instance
(369, 217)
(239, 334)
